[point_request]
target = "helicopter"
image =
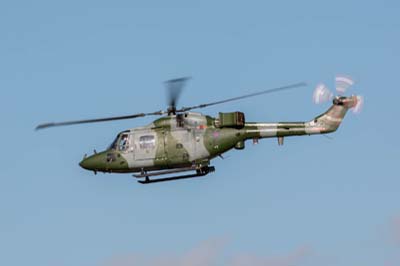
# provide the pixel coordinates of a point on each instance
(183, 141)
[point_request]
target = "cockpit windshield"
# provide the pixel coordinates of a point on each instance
(120, 143)
(113, 145)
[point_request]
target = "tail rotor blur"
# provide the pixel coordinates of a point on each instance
(323, 94)
(343, 83)
(359, 105)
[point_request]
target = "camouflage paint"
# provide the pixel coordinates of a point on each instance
(194, 139)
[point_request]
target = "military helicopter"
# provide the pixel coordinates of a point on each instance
(182, 141)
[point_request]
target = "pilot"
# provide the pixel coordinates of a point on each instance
(123, 145)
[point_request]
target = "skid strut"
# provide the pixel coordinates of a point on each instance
(202, 171)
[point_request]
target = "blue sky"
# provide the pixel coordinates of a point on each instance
(312, 201)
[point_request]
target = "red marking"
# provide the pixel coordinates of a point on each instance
(202, 127)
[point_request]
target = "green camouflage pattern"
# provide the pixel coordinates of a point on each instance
(193, 139)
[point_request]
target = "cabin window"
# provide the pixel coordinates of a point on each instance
(147, 142)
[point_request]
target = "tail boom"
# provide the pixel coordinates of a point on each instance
(325, 123)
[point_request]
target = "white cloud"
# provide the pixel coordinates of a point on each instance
(297, 257)
(396, 229)
(394, 234)
(211, 253)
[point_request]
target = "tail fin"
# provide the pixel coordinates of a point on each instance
(330, 120)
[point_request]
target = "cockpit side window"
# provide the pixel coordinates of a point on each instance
(123, 143)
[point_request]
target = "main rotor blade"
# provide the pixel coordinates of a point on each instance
(76, 122)
(175, 87)
(288, 87)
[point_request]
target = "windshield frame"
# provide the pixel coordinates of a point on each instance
(116, 142)
(113, 145)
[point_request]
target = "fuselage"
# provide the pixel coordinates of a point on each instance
(193, 139)
(168, 142)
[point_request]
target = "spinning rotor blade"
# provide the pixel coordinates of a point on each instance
(322, 94)
(359, 105)
(343, 83)
(174, 87)
(76, 122)
(292, 86)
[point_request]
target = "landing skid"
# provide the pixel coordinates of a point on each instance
(199, 172)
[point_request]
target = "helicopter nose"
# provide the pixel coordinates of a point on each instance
(94, 162)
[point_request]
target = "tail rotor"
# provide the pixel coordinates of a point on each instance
(322, 94)
(342, 83)
(359, 105)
